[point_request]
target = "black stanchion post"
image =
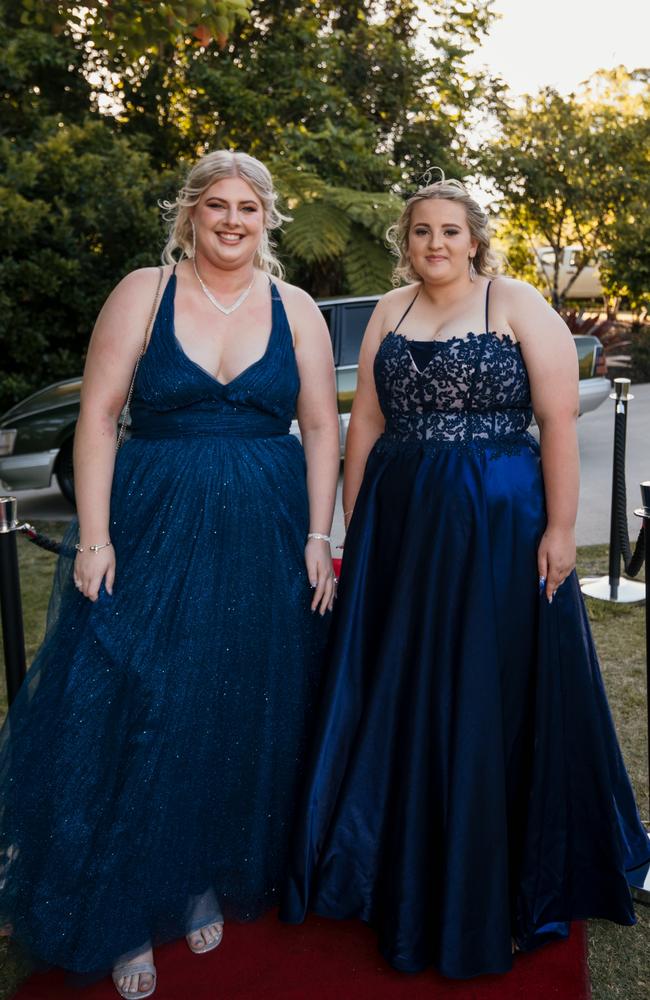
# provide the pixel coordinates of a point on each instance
(621, 396)
(13, 636)
(639, 879)
(612, 587)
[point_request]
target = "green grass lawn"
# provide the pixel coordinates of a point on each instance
(618, 956)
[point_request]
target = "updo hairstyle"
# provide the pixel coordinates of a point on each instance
(486, 261)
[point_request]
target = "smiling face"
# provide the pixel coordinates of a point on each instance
(229, 223)
(440, 241)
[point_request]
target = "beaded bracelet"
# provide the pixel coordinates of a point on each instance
(317, 534)
(92, 548)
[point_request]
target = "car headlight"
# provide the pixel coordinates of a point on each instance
(7, 440)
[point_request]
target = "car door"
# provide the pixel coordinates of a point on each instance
(352, 324)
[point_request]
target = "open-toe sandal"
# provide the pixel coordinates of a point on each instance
(134, 969)
(207, 946)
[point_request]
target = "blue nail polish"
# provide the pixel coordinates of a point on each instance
(542, 583)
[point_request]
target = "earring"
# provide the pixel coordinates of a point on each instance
(193, 253)
(472, 269)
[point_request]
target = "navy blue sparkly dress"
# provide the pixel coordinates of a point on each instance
(465, 785)
(148, 767)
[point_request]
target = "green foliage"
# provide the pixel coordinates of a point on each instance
(574, 171)
(519, 254)
(106, 104)
(367, 267)
(125, 30)
(640, 352)
(78, 210)
(336, 96)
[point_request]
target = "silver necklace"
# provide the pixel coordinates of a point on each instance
(226, 310)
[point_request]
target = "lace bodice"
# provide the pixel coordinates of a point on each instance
(474, 388)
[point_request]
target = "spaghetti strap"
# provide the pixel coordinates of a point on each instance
(487, 307)
(407, 311)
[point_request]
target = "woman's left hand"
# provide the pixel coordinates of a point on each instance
(318, 559)
(556, 558)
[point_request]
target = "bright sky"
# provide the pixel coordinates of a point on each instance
(562, 42)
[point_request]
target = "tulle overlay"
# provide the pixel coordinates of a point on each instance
(149, 764)
(465, 786)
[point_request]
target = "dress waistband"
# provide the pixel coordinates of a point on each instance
(152, 424)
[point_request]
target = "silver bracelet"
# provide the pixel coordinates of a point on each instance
(92, 548)
(317, 534)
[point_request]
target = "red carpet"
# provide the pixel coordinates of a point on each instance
(328, 960)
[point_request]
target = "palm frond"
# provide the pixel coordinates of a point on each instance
(367, 265)
(376, 210)
(319, 231)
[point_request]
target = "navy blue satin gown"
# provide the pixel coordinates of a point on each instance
(465, 786)
(148, 767)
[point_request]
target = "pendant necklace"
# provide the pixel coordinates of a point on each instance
(226, 310)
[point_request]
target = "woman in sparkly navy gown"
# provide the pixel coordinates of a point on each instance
(149, 764)
(466, 794)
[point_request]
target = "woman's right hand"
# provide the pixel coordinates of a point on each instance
(90, 568)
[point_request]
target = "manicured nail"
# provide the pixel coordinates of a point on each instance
(550, 600)
(542, 583)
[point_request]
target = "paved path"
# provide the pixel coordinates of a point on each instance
(595, 432)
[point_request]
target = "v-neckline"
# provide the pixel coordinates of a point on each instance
(199, 367)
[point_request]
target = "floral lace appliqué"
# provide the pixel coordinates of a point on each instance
(474, 389)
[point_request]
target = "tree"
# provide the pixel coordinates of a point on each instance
(562, 169)
(341, 101)
(341, 93)
(78, 210)
(625, 268)
(124, 31)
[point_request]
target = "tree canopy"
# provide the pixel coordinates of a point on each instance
(574, 171)
(105, 105)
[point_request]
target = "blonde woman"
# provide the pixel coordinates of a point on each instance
(150, 760)
(466, 794)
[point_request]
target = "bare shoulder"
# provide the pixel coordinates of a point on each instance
(294, 296)
(296, 300)
(534, 322)
(125, 312)
(392, 306)
(398, 298)
(139, 285)
(306, 321)
(514, 292)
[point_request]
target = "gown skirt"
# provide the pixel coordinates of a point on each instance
(465, 785)
(149, 764)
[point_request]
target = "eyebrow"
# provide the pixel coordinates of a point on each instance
(457, 224)
(246, 201)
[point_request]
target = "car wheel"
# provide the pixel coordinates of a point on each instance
(64, 472)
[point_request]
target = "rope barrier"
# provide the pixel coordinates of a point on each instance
(43, 542)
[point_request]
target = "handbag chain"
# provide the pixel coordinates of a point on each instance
(126, 412)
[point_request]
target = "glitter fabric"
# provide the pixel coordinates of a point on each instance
(148, 766)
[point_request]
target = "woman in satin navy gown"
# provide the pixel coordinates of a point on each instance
(149, 764)
(466, 794)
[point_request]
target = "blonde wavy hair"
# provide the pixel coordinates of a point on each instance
(214, 167)
(486, 261)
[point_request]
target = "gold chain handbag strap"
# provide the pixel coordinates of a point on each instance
(126, 412)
